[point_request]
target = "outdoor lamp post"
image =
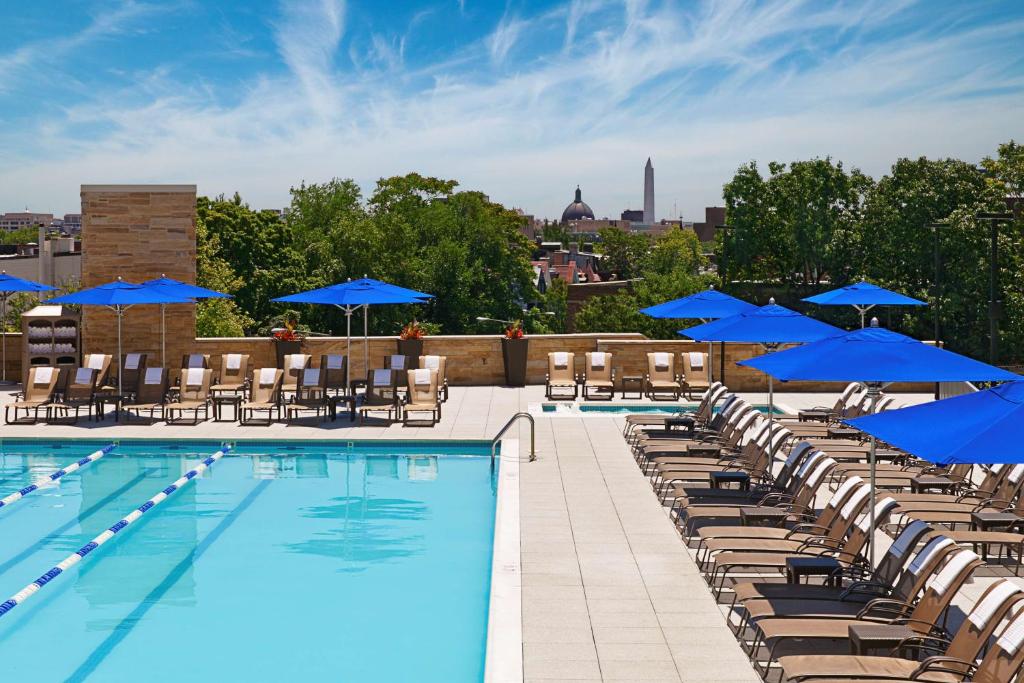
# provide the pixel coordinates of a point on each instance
(721, 276)
(937, 288)
(993, 219)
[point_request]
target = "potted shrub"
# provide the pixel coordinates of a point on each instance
(286, 340)
(410, 339)
(514, 346)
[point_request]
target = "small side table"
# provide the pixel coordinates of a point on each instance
(703, 450)
(800, 567)
(865, 638)
(686, 423)
(636, 381)
(103, 400)
(763, 516)
(813, 415)
(930, 482)
(730, 477)
(987, 521)
(349, 401)
(221, 400)
(843, 433)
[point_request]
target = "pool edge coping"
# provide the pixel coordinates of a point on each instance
(504, 651)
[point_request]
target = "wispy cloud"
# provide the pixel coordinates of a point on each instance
(307, 38)
(504, 38)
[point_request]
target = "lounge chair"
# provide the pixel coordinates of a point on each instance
(704, 413)
(294, 364)
(561, 378)
(132, 367)
(310, 395)
(598, 376)
(195, 360)
(234, 374)
(381, 394)
(827, 413)
(151, 395)
(695, 372)
(334, 366)
(397, 361)
(80, 394)
(40, 387)
(661, 382)
(439, 363)
(100, 362)
(422, 396)
(194, 396)
(264, 394)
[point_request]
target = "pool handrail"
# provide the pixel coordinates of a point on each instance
(512, 420)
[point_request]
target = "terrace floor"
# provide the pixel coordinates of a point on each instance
(609, 592)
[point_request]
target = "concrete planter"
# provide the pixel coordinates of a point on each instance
(413, 348)
(284, 348)
(514, 352)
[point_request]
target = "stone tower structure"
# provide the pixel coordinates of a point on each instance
(649, 193)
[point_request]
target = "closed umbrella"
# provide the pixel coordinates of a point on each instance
(9, 284)
(351, 296)
(875, 357)
(707, 305)
(863, 296)
(118, 296)
(171, 287)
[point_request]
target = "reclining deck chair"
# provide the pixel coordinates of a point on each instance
(561, 380)
(598, 376)
(151, 394)
(264, 394)
(661, 382)
(422, 395)
(40, 388)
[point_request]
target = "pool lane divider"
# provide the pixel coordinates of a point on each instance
(18, 495)
(76, 557)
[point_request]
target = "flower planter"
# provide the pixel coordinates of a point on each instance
(285, 348)
(413, 348)
(514, 353)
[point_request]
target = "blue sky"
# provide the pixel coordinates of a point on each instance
(522, 100)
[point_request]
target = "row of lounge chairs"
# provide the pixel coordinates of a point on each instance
(813, 491)
(662, 381)
(257, 394)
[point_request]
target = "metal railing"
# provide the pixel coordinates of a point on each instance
(512, 421)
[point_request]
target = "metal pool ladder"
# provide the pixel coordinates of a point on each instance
(512, 421)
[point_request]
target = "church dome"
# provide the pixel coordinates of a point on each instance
(578, 209)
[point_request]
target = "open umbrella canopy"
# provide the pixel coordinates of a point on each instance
(709, 304)
(166, 285)
(981, 427)
(10, 283)
(863, 294)
(874, 354)
(362, 292)
(118, 293)
(771, 324)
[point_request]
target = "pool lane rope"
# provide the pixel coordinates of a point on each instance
(76, 557)
(18, 495)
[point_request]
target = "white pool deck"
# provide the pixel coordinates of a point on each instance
(609, 592)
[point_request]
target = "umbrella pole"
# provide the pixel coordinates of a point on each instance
(4, 297)
(711, 357)
(348, 349)
(366, 337)
(120, 362)
(873, 391)
(163, 335)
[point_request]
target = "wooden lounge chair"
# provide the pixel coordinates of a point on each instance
(100, 362)
(661, 382)
(598, 376)
(133, 365)
(40, 388)
(334, 366)
(381, 394)
(704, 413)
(151, 395)
(294, 364)
(310, 395)
(234, 374)
(827, 413)
(422, 396)
(264, 394)
(79, 395)
(561, 381)
(695, 372)
(194, 396)
(439, 363)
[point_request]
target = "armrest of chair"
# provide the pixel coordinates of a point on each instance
(806, 527)
(945, 664)
(920, 644)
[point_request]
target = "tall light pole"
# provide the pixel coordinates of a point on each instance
(721, 275)
(937, 289)
(993, 219)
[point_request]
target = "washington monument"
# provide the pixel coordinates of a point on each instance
(648, 193)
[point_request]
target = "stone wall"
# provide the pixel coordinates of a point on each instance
(138, 232)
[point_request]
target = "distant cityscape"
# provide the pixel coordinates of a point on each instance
(68, 224)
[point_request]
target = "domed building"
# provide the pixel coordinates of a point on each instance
(577, 210)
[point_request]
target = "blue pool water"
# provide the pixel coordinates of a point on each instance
(282, 562)
(620, 408)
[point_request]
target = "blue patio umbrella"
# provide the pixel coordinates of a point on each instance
(172, 287)
(980, 427)
(863, 296)
(118, 296)
(351, 296)
(876, 357)
(709, 304)
(9, 284)
(768, 326)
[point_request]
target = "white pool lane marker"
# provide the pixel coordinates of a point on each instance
(18, 495)
(76, 557)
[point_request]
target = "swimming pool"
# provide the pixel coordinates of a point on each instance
(284, 561)
(624, 408)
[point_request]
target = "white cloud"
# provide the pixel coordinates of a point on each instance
(504, 38)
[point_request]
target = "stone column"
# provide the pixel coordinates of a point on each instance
(139, 232)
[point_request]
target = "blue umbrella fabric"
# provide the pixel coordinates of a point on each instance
(981, 427)
(863, 296)
(771, 324)
(118, 296)
(174, 287)
(709, 304)
(10, 284)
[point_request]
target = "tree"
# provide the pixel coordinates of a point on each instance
(217, 317)
(624, 252)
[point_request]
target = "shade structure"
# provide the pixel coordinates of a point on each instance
(172, 287)
(349, 297)
(876, 357)
(980, 427)
(709, 304)
(9, 284)
(118, 296)
(863, 296)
